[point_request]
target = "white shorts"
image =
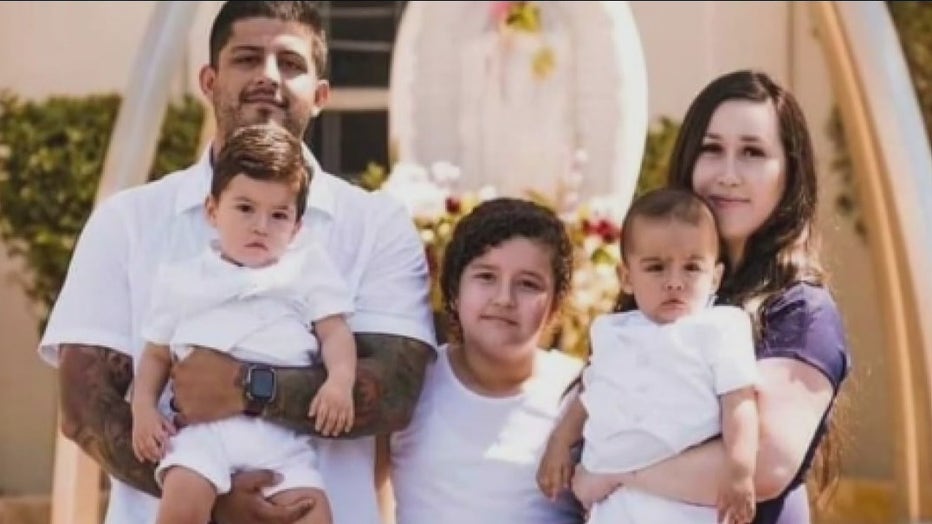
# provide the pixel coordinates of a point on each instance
(629, 506)
(217, 450)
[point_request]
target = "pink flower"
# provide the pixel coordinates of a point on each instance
(500, 9)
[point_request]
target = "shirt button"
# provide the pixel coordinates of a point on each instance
(642, 387)
(643, 360)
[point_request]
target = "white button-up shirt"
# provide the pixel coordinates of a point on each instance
(106, 294)
(652, 390)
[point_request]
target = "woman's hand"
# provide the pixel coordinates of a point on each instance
(556, 468)
(736, 502)
(245, 504)
(591, 488)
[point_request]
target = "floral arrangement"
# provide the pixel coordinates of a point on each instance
(435, 205)
(521, 17)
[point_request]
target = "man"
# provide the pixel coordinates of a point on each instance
(266, 59)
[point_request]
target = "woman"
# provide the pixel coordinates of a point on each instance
(490, 401)
(745, 147)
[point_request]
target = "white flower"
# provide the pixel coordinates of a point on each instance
(486, 193)
(411, 185)
(609, 207)
(445, 174)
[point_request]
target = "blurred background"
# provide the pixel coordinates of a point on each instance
(64, 67)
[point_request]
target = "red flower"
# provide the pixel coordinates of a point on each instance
(453, 205)
(608, 231)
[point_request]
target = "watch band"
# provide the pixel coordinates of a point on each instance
(254, 407)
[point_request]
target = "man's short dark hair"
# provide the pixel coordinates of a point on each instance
(305, 13)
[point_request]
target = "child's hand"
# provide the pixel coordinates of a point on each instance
(736, 503)
(332, 408)
(590, 488)
(151, 432)
(556, 468)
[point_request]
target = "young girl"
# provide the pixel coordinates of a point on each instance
(256, 296)
(470, 452)
(745, 147)
(668, 372)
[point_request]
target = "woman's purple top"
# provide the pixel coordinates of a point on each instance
(803, 323)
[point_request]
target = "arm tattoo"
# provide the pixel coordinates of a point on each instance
(93, 382)
(389, 376)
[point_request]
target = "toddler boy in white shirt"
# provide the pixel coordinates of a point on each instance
(251, 293)
(669, 371)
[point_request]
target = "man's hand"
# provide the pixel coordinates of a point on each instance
(245, 504)
(590, 488)
(207, 387)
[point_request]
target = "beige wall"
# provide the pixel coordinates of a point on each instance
(65, 47)
(54, 48)
(27, 388)
(686, 44)
(77, 48)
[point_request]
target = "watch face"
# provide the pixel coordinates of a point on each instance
(261, 383)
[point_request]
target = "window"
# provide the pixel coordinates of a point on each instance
(353, 129)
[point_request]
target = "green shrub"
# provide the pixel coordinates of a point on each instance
(913, 21)
(657, 151)
(51, 157)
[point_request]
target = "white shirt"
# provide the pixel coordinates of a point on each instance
(467, 458)
(255, 314)
(652, 390)
(107, 291)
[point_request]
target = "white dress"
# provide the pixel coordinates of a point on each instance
(259, 315)
(652, 391)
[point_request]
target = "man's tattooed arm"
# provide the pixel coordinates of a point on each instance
(390, 373)
(93, 382)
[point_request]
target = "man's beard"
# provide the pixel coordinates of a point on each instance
(231, 118)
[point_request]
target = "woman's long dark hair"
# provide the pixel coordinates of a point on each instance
(784, 250)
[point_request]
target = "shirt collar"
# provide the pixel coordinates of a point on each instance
(196, 185)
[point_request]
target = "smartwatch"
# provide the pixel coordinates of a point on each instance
(259, 388)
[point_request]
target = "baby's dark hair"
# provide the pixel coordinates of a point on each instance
(263, 152)
(489, 225)
(666, 204)
(671, 204)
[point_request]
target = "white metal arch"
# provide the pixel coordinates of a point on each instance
(890, 150)
(609, 75)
